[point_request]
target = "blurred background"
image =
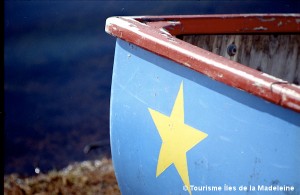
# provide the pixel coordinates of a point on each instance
(58, 64)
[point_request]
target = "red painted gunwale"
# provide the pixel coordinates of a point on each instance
(157, 34)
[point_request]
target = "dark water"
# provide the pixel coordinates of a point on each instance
(58, 65)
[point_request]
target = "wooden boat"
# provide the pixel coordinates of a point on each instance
(206, 104)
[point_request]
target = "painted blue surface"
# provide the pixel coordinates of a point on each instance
(250, 141)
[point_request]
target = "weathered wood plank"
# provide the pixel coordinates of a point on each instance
(274, 54)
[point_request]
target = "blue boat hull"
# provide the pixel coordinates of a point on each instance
(242, 142)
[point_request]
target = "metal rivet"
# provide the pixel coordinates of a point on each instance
(231, 49)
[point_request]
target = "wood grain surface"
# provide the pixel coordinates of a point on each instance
(274, 54)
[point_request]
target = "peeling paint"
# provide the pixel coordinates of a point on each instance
(174, 23)
(279, 23)
(257, 84)
(164, 31)
(205, 62)
(292, 105)
(267, 19)
(260, 28)
(187, 64)
(172, 40)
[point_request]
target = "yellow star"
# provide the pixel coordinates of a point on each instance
(177, 139)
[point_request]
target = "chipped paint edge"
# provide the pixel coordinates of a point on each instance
(252, 81)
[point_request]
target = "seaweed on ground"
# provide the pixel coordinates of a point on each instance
(88, 177)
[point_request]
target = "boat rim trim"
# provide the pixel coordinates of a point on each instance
(157, 34)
